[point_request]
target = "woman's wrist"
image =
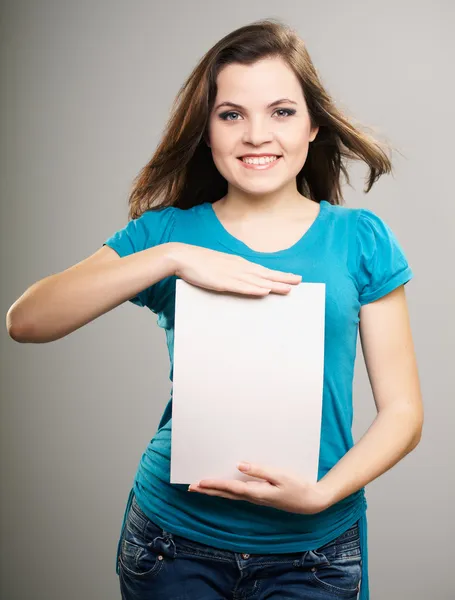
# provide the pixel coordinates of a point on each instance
(174, 253)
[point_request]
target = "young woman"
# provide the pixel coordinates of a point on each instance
(243, 195)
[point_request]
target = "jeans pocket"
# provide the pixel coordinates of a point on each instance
(342, 572)
(139, 555)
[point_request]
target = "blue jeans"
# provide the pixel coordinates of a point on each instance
(157, 565)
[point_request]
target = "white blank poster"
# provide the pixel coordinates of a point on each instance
(248, 380)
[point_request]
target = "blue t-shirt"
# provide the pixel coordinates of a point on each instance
(359, 259)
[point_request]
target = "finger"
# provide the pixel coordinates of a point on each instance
(235, 286)
(253, 498)
(249, 289)
(280, 276)
(219, 493)
(234, 486)
(274, 286)
(269, 474)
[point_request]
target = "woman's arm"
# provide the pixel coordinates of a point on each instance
(389, 355)
(59, 304)
(388, 349)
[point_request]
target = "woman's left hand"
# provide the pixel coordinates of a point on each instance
(278, 489)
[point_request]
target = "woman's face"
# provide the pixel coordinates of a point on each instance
(254, 127)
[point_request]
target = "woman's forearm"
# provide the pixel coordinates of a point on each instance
(59, 304)
(393, 434)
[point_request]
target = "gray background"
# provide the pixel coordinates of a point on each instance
(86, 88)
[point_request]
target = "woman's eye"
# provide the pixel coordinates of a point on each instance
(289, 111)
(224, 116)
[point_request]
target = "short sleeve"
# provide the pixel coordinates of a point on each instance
(152, 228)
(381, 263)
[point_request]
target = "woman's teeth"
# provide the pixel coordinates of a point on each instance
(263, 160)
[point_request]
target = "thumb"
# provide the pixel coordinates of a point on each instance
(267, 473)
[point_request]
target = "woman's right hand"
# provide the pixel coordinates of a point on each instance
(224, 272)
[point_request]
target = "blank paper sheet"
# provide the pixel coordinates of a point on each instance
(248, 382)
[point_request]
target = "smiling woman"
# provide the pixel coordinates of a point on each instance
(275, 129)
(264, 75)
(243, 196)
(250, 165)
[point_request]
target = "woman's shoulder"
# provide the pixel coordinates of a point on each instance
(172, 213)
(362, 222)
(343, 211)
(376, 257)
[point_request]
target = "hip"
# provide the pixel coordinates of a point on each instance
(153, 560)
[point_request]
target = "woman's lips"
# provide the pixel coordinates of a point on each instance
(260, 167)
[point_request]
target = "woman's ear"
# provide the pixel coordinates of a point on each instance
(314, 133)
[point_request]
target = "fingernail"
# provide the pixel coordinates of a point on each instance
(243, 465)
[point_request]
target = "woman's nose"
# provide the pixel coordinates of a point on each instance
(257, 132)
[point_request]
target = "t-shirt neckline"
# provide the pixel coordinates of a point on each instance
(230, 241)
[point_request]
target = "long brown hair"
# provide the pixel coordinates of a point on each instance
(182, 173)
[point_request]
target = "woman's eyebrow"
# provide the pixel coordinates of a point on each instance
(240, 107)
